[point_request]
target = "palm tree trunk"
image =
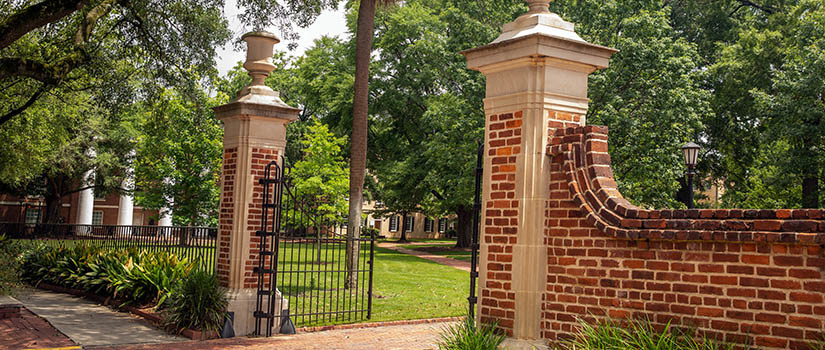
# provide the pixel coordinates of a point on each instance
(358, 148)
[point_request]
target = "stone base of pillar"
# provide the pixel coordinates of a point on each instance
(243, 303)
(524, 344)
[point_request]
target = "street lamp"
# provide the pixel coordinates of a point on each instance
(691, 152)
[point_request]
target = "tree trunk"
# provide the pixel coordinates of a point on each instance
(810, 191)
(464, 231)
(403, 238)
(55, 187)
(810, 176)
(358, 143)
(51, 214)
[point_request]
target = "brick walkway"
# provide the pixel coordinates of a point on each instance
(31, 332)
(413, 337)
(459, 264)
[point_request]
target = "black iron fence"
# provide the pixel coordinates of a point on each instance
(309, 271)
(474, 242)
(192, 243)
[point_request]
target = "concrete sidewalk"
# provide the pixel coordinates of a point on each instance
(89, 324)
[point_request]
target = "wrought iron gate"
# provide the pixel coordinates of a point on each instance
(304, 275)
(476, 221)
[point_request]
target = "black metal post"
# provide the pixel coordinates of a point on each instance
(372, 268)
(690, 174)
(474, 239)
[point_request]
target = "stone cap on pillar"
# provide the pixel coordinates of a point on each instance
(257, 99)
(539, 33)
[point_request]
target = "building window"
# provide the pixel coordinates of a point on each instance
(442, 225)
(32, 216)
(409, 224)
(97, 217)
(394, 223)
(428, 225)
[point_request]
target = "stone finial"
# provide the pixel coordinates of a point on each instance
(539, 6)
(259, 49)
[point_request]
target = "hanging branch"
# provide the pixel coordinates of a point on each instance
(36, 16)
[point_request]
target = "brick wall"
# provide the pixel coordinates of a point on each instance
(500, 216)
(259, 159)
(228, 174)
(747, 276)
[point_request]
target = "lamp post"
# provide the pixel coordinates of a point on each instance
(691, 153)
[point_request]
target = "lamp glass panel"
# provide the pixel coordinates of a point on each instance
(694, 154)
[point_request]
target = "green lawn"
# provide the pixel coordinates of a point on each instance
(408, 287)
(445, 250)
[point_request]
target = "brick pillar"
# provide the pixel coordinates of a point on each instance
(254, 134)
(537, 73)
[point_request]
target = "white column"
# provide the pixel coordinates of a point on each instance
(126, 209)
(165, 217)
(86, 202)
(166, 212)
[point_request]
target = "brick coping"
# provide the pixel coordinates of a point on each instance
(586, 163)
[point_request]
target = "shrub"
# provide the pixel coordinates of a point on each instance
(198, 303)
(137, 277)
(638, 334)
(9, 265)
(466, 336)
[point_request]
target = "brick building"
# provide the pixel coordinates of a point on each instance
(106, 210)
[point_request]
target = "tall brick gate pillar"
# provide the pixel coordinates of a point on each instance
(537, 72)
(254, 134)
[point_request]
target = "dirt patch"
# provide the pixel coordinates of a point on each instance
(441, 249)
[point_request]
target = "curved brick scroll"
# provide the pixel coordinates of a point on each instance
(586, 163)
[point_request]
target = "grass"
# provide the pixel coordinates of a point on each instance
(412, 288)
(445, 250)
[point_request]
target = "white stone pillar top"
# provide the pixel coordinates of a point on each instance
(538, 33)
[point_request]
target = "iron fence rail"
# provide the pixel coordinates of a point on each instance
(192, 243)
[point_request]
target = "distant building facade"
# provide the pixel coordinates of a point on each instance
(106, 210)
(418, 225)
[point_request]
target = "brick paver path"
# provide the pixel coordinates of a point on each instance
(459, 264)
(31, 332)
(414, 337)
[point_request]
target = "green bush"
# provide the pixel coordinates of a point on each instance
(9, 265)
(637, 334)
(198, 303)
(136, 277)
(466, 336)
